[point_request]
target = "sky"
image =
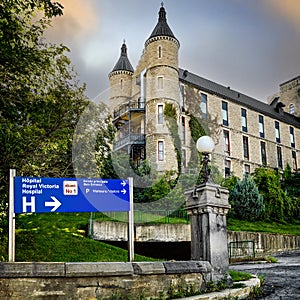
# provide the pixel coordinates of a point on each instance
(250, 45)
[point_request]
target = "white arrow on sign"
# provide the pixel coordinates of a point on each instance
(123, 191)
(123, 183)
(56, 204)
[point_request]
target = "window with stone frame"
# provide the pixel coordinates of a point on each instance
(227, 163)
(245, 147)
(294, 161)
(160, 150)
(292, 137)
(261, 126)
(226, 142)
(277, 132)
(279, 158)
(263, 153)
(246, 169)
(203, 105)
(244, 119)
(225, 113)
(160, 114)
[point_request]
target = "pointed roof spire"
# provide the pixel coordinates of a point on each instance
(162, 28)
(123, 64)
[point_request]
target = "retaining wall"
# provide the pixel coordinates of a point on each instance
(72, 281)
(264, 242)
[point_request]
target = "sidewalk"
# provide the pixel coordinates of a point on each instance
(241, 293)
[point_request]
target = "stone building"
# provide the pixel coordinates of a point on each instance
(248, 133)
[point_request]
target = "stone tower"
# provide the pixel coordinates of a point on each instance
(290, 96)
(138, 99)
(120, 79)
(158, 69)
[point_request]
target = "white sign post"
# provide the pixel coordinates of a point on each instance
(130, 223)
(11, 217)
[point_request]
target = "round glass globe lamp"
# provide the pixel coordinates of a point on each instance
(205, 144)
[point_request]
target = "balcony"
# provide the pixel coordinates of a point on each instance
(130, 139)
(131, 106)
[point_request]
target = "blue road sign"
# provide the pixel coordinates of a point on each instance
(35, 194)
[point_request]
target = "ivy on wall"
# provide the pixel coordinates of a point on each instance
(171, 118)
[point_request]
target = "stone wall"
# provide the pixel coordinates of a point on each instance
(264, 242)
(98, 280)
(236, 155)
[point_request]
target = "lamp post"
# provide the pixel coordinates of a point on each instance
(207, 204)
(205, 145)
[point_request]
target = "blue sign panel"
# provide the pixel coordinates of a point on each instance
(35, 194)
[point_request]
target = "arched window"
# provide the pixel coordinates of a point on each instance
(292, 109)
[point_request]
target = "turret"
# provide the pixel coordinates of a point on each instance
(120, 80)
(160, 65)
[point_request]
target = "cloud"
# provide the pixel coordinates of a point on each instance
(79, 20)
(287, 9)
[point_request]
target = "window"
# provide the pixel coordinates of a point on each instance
(246, 169)
(160, 114)
(245, 147)
(121, 84)
(277, 132)
(227, 168)
(279, 157)
(183, 129)
(244, 119)
(294, 160)
(184, 162)
(261, 126)
(182, 96)
(263, 153)
(225, 113)
(292, 109)
(160, 82)
(161, 151)
(292, 137)
(159, 52)
(203, 105)
(226, 142)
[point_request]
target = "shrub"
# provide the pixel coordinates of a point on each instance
(247, 202)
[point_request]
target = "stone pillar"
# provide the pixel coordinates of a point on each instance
(207, 205)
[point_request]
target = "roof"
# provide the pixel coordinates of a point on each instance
(123, 64)
(162, 28)
(273, 111)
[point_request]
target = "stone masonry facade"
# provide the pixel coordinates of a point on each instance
(247, 133)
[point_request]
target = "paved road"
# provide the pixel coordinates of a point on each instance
(282, 280)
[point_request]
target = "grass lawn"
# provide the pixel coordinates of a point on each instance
(60, 237)
(260, 226)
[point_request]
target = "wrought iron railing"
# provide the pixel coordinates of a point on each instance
(129, 106)
(129, 139)
(241, 249)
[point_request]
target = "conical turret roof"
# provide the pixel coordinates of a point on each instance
(123, 64)
(162, 28)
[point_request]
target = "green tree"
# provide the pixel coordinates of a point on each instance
(247, 202)
(40, 99)
(291, 185)
(277, 202)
